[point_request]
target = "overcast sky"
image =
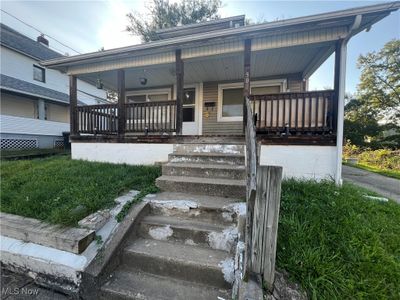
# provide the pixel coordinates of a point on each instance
(87, 26)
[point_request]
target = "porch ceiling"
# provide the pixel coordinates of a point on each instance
(265, 63)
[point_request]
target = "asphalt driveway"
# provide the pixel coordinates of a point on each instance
(386, 186)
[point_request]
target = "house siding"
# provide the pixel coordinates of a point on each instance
(18, 106)
(211, 125)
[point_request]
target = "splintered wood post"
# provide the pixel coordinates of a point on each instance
(246, 77)
(179, 91)
(73, 103)
(121, 102)
(265, 226)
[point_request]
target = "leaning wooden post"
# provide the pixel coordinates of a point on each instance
(265, 225)
(179, 90)
(121, 102)
(73, 103)
(246, 78)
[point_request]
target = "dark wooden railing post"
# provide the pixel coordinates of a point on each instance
(336, 85)
(121, 102)
(246, 78)
(73, 103)
(179, 90)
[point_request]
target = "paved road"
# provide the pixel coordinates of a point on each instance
(386, 186)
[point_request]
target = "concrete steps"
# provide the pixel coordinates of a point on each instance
(199, 185)
(145, 286)
(188, 231)
(185, 247)
(205, 170)
(206, 158)
(176, 260)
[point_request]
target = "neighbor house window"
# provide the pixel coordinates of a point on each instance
(39, 73)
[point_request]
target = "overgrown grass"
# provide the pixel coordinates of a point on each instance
(337, 244)
(61, 190)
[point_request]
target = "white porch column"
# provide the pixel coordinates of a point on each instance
(340, 70)
(41, 109)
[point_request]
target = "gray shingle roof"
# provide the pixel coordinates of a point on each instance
(21, 86)
(15, 40)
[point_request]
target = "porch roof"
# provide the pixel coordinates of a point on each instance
(217, 55)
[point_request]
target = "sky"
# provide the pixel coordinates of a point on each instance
(87, 26)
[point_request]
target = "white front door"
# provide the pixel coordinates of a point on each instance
(191, 110)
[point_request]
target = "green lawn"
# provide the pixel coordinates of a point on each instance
(61, 190)
(337, 244)
(17, 154)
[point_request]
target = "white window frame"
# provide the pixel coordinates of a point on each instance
(260, 83)
(149, 92)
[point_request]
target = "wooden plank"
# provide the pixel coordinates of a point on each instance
(272, 175)
(246, 78)
(336, 82)
(179, 90)
(73, 102)
(69, 239)
(121, 102)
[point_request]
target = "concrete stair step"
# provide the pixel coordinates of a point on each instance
(207, 158)
(189, 231)
(145, 286)
(205, 170)
(210, 148)
(206, 186)
(191, 263)
(203, 208)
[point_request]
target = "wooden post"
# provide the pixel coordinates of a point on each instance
(179, 90)
(246, 78)
(265, 223)
(73, 103)
(121, 102)
(336, 84)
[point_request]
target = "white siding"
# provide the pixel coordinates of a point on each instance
(19, 66)
(19, 125)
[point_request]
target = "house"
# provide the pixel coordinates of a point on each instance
(34, 99)
(190, 86)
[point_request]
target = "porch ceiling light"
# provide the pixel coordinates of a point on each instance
(99, 84)
(143, 79)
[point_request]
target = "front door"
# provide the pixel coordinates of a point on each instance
(190, 124)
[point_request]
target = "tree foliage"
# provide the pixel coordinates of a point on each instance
(163, 14)
(375, 109)
(379, 88)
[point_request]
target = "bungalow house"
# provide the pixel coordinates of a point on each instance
(190, 87)
(35, 100)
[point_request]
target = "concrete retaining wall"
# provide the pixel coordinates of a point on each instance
(302, 162)
(122, 153)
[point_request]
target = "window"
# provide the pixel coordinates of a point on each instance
(230, 97)
(39, 73)
(189, 102)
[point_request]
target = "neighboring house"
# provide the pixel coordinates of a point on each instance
(34, 99)
(189, 86)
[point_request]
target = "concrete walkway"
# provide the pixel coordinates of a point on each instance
(386, 186)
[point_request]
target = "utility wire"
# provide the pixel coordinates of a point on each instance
(39, 30)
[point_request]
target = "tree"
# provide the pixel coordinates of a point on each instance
(379, 88)
(163, 14)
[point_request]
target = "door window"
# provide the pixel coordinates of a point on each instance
(189, 105)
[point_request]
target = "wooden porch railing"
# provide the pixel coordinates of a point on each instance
(263, 202)
(147, 117)
(157, 116)
(295, 113)
(102, 118)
